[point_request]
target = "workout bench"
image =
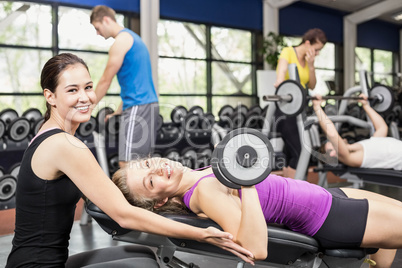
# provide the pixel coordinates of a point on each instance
(285, 248)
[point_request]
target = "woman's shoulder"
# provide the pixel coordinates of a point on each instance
(64, 141)
(210, 186)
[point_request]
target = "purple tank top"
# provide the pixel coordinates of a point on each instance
(299, 205)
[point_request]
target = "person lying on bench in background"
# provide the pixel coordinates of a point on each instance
(379, 151)
(373, 221)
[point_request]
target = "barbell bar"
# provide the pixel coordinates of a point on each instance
(290, 98)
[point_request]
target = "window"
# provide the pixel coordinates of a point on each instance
(26, 43)
(377, 63)
(202, 65)
(25, 39)
(382, 67)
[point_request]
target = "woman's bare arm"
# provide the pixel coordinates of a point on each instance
(78, 163)
(244, 219)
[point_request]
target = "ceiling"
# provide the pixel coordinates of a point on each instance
(358, 5)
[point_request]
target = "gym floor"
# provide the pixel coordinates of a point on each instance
(92, 236)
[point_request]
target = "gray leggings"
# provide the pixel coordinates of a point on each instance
(117, 257)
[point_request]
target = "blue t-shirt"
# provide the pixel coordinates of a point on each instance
(135, 75)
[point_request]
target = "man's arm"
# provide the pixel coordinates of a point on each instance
(328, 127)
(117, 52)
(380, 126)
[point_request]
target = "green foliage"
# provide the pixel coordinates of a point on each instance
(272, 47)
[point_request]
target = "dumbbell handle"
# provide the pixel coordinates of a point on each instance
(288, 98)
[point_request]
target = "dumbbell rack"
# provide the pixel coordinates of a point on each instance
(15, 133)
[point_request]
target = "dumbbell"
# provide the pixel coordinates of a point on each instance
(207, 121)
(254, 118)
(34, 117)
(17, 128)
(290, 98)
(204, 156)
(244, 157)
(113, 163)
(2, 128)
(189, 157)
(113, 125)
(85, 129)
(100, 118)
(224, 115)
(172, 154)
(178, 114)
(8, 187)
(14, 170)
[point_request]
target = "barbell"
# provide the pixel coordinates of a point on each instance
(290, 98)
(244, 157)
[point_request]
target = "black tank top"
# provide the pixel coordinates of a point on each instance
(44, 215)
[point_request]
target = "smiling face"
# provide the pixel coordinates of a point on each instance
(154, 178)
(73, 99)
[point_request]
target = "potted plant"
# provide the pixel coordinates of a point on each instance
(272, 46)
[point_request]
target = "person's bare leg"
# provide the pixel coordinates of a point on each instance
(383, 225)
(383, 258)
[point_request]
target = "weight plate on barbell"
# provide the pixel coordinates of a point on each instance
(243, 157)
(18, 129)
(386, 98)
(298, 94)
(8, 187)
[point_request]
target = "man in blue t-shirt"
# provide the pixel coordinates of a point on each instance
(129, 60)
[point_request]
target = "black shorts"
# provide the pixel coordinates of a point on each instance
(345, 223)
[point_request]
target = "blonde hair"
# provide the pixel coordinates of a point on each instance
(173, 205)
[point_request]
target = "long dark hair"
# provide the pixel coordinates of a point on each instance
(52, 70)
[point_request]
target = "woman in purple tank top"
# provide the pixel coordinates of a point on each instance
(373, 220)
